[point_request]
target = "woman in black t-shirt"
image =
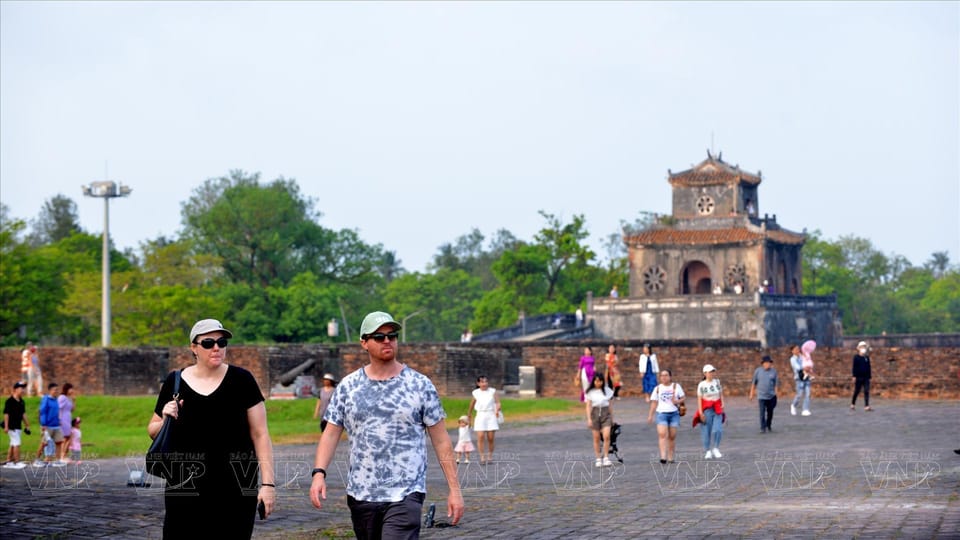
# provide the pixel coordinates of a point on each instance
(221, 435)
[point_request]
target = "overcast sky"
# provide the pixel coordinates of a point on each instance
(417, 122)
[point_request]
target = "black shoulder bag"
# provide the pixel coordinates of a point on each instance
(160, 455)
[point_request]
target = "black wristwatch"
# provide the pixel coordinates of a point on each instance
(318, 470)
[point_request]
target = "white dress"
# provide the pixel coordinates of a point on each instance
(464, 444)
(486, 408)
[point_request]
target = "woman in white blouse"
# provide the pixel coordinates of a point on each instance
(664, 400)
(600, 417)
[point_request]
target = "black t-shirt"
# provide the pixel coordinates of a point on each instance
(16, 409)
(213, 431)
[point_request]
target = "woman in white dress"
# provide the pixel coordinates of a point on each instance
(486, 404)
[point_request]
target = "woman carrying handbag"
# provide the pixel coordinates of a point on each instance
(225, 465)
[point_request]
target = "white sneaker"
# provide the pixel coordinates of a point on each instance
(708, 455)
(805, 413)
(598, 463)
(793, 409)
(9, 465)
(606, 462)
(716, 453)
(39, 463)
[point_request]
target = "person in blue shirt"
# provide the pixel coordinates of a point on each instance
(50, 416)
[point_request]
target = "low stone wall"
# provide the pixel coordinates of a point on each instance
(898, 372)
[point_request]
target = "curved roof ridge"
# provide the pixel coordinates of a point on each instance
(713, 171)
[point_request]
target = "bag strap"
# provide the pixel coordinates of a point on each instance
(176, 388)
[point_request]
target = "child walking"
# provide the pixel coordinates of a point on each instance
(464, 444)
(46, 450)
(76, 446)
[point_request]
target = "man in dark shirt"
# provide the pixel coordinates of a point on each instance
(861, 376)
(765, 383)
(14, 418)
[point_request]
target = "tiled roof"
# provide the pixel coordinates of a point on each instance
(713, 171)
(711, 236)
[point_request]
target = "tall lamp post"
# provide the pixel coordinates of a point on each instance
(106, 190)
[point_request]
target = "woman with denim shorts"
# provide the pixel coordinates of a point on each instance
(664, 400)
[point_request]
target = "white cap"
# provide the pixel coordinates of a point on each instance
(708, 367)
(862, 345)
(206, 326)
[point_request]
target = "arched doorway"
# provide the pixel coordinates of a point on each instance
(695, 278)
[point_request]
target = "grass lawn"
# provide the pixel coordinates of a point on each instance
(116, 426)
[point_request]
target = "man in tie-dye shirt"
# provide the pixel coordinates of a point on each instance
(387, 409)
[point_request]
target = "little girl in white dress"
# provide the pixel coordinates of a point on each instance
(464, 444)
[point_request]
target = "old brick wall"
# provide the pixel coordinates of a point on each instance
(898, 372)
(928, 373)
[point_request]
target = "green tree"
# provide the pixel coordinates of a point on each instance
(444, 301)
(76, 284)
(939, 263)
(58, 219)
(309, 304)
(267, 234)
(942, 303)
(552, 274)
(259, 232)
(564, 246)
(468, 254)
(18, 282)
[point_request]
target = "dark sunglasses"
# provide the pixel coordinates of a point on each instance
(208, 343)
(380, 336)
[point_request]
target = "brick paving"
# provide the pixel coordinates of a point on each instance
(890, 473)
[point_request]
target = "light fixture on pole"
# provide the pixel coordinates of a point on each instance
(106, 190)
(403, 324)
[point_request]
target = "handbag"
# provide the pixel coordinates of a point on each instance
(160, 455)
(681, 407)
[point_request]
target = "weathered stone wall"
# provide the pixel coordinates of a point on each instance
(770, 320)
(930, 373)
(898, 372)
(791, 319)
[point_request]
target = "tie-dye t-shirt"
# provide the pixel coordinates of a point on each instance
(386, 423)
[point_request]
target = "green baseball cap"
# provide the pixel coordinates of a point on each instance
(375, 320)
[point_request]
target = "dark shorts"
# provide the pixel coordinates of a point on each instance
(393, 520)
(600, 418)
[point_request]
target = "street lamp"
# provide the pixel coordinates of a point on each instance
(106, 190)
(403, 323)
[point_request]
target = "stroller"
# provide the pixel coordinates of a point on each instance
(614, 434)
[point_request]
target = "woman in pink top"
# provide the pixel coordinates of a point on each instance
(585, 371)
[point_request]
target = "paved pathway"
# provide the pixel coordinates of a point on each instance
(836, 474)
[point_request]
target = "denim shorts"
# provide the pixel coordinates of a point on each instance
(669, 419)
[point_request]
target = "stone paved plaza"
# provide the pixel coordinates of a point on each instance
(890, 473)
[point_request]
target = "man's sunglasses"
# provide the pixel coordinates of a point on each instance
(380, 336)
(208, 343)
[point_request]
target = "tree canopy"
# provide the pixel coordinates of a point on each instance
(255, 255)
